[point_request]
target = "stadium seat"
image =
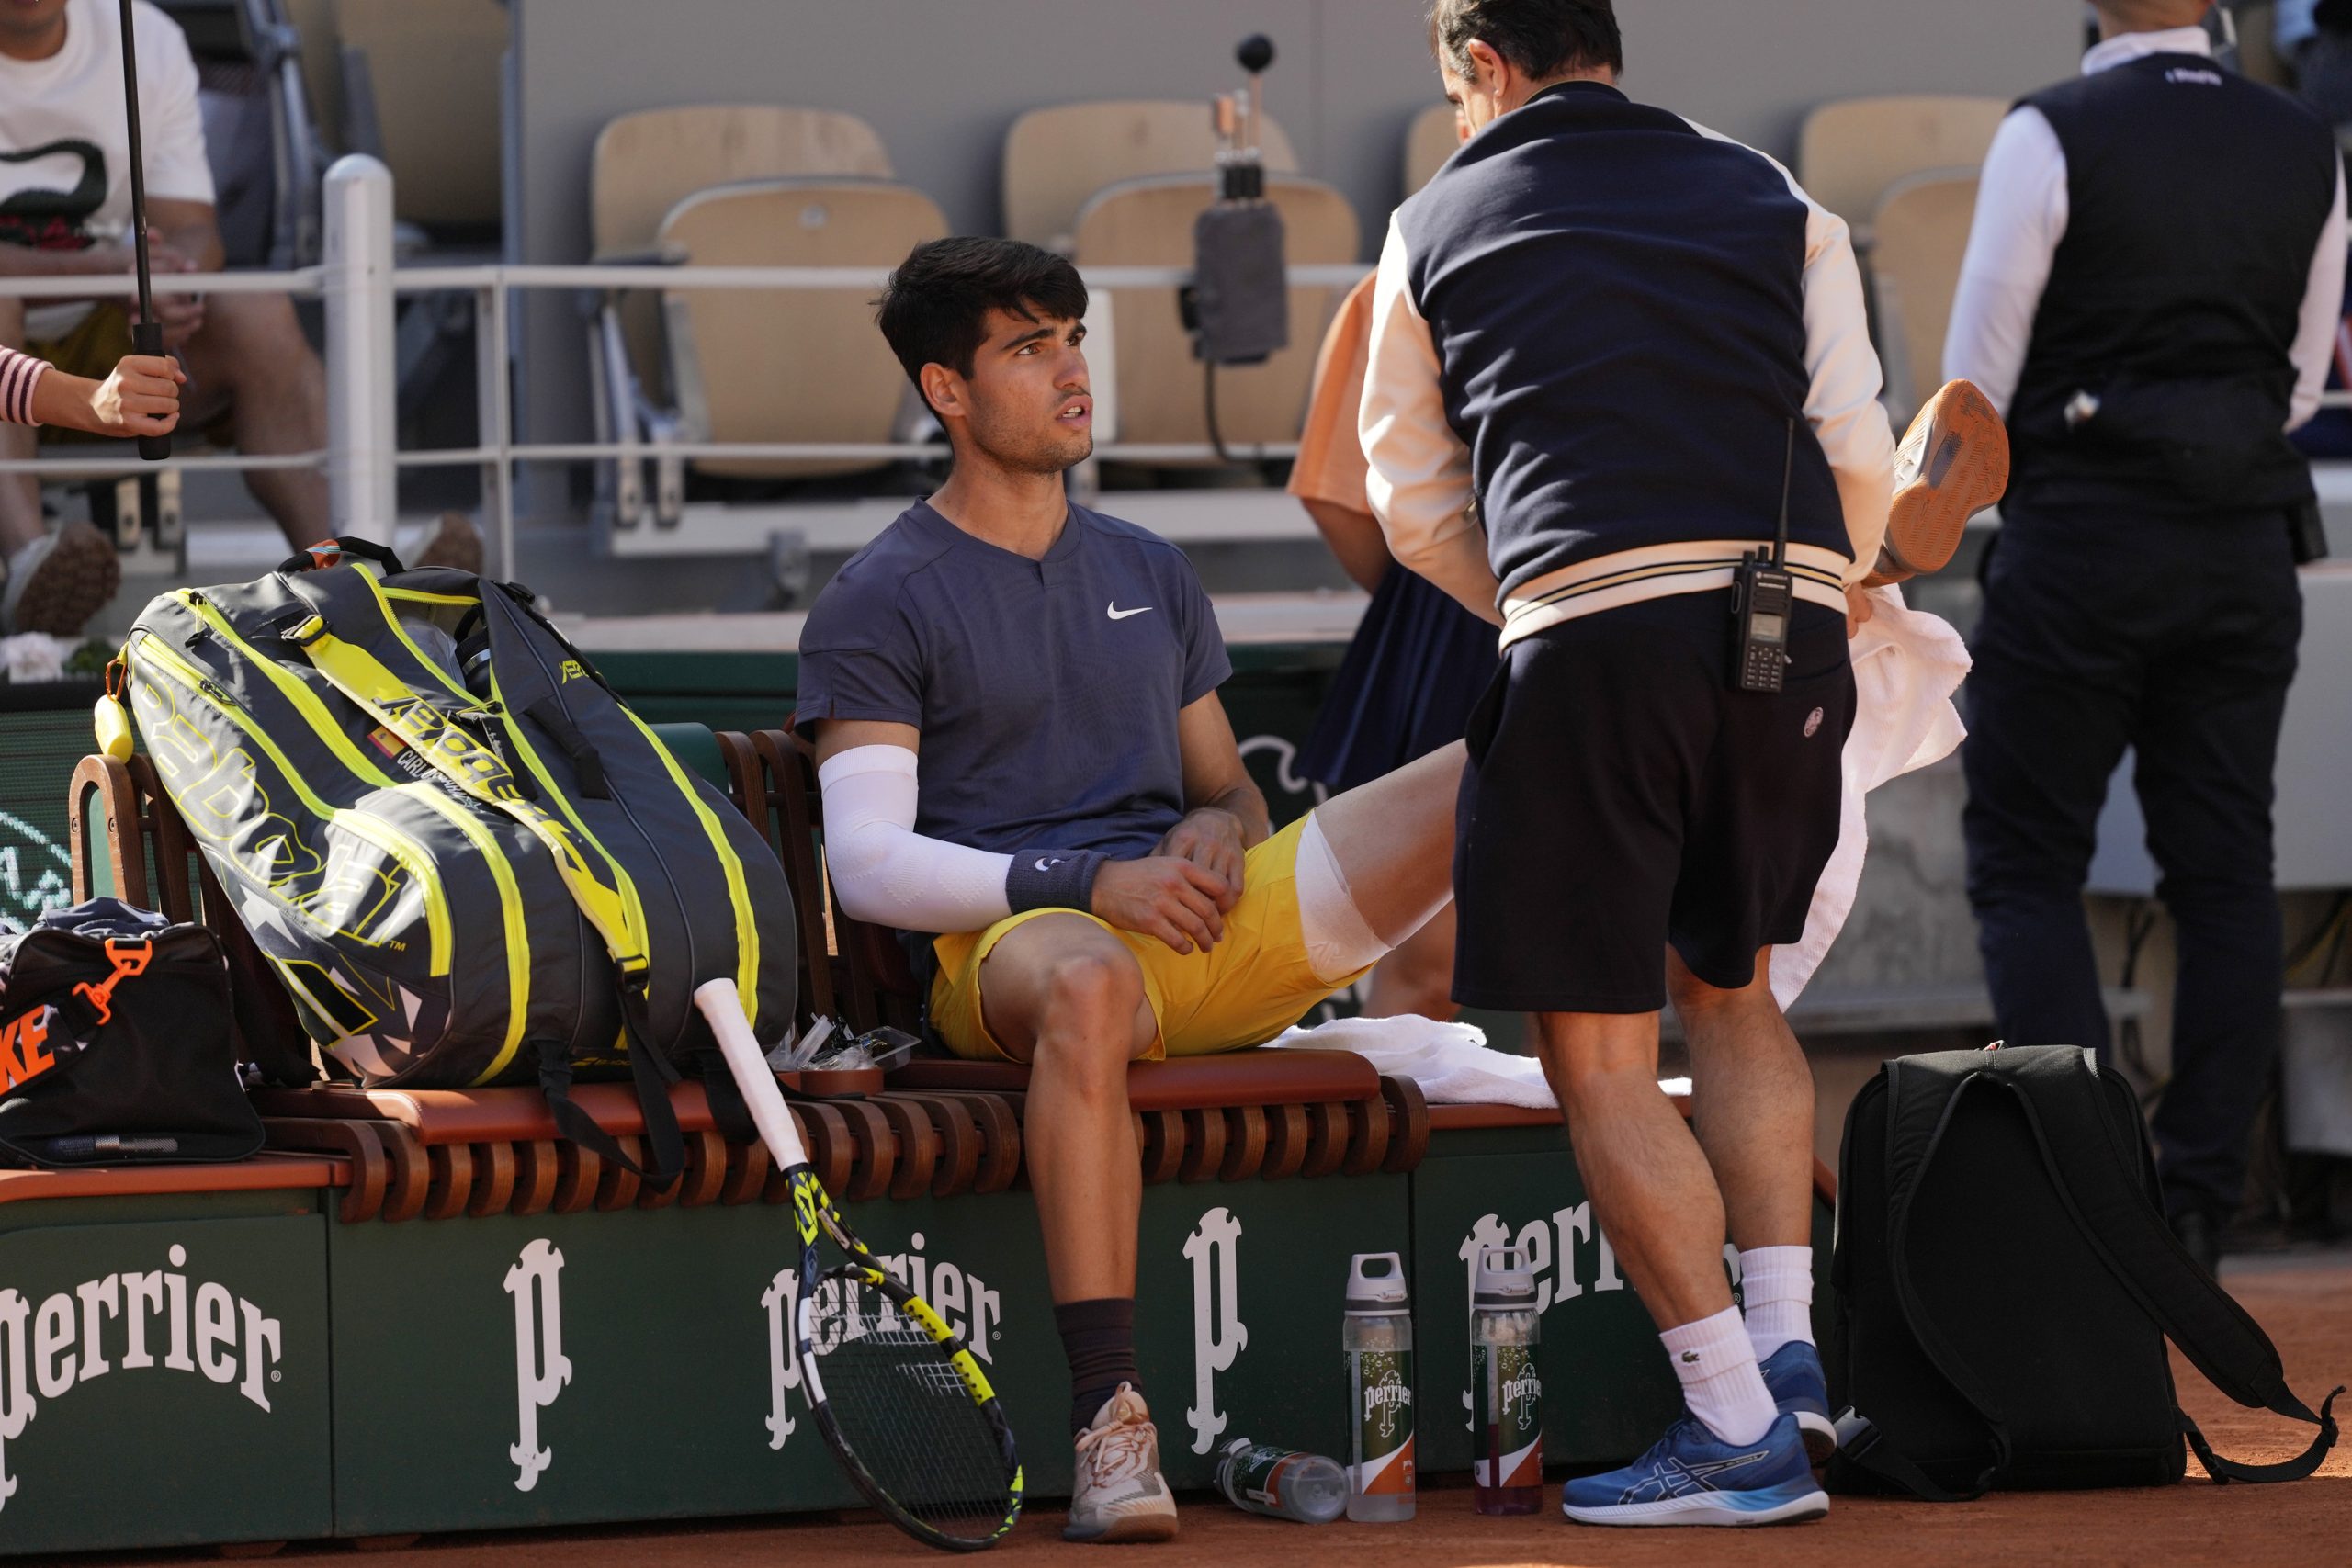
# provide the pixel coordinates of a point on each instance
(261, 129)
(421, 88)
(1429, 142)
(1056, 159)
(1149, 223)
(1922, 229)
(646, 163)
(795, 365)
(1850, 153)
(2257, 22)
(320, 50)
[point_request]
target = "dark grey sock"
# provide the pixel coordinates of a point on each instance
(1099, 1338)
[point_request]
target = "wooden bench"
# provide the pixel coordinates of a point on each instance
(939, 1128)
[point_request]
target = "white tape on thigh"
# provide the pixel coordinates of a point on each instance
(1339, 941)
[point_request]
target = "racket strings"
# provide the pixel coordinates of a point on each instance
(904, 1411)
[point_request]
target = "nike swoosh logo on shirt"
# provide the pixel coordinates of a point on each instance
(1118, 614)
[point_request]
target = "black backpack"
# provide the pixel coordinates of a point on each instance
(2005, 1284)
(114, 1042)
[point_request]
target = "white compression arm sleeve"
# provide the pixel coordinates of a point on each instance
(883, 870)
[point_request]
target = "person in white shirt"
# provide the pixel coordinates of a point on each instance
(65, 211)
(2149, 295)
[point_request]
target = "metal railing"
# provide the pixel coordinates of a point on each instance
(359, 283)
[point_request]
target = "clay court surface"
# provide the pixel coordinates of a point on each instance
(2305, 1302)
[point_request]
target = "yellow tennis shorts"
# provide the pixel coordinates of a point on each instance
(1244, 991)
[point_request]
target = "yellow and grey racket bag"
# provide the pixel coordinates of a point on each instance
(469, 863)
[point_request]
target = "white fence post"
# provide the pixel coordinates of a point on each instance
(361, 366)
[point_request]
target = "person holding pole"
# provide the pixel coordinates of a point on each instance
(66, 210)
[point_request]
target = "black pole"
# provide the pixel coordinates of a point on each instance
(147, 332)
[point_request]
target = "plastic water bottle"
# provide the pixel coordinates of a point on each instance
(1505, 1393)
(1259, 1478)
(1377, 1333)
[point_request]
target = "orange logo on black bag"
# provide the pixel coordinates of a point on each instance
(24, 1048)
(130, 959)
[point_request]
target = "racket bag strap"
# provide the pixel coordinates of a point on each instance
(651, 1074)
(587, 766)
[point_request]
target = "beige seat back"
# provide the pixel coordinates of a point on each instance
(1149, 224)
(322, 50)
(1922, 230)
(1430, 143)
(434, 66)
(1055, 159)
(793, 365)
(1850, 153)
(646, 163)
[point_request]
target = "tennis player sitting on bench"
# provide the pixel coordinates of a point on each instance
(1085, 833)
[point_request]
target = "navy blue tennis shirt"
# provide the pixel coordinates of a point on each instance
(1046, 691)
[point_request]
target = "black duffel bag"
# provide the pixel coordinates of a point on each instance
(114, 1042)
(2005, 1284)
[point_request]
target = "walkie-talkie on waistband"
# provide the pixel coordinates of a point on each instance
(1763, 595)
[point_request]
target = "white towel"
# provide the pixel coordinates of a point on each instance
(1907, 663)
(1450, 1061)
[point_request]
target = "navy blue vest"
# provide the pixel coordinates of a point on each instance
(1618, 307)
(2195, 200)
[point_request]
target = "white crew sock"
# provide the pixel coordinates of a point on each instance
(1776, 1286)
(1720, 1382)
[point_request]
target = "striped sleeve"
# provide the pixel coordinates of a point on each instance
(19, 374)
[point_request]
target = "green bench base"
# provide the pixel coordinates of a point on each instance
(568, 1368)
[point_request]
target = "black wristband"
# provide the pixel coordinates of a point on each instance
(1052, 879)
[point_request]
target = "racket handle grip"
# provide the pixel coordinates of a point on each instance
(147, 337)
(722, 1008)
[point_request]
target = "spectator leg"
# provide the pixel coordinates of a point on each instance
(1063, 993)
(19, 493)
(252, 352)
(1752, 1104)
(1394, 842)
(1652, 1192)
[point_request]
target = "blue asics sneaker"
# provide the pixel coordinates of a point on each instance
(1688, 1478)
(1793, 1377)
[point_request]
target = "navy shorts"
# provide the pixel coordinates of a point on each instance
(1621, 797)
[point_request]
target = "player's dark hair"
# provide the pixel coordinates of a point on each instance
(934, 309)
(1540, 37)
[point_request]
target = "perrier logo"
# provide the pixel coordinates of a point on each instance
(1388, 1401)
(1520, 1396)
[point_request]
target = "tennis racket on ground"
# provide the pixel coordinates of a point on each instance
(895, 1392)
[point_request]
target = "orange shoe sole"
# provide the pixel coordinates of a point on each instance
(1952, 464)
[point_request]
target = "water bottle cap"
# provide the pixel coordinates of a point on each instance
(1235, 1447)
(1504, 1279)
(1377, 1284)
